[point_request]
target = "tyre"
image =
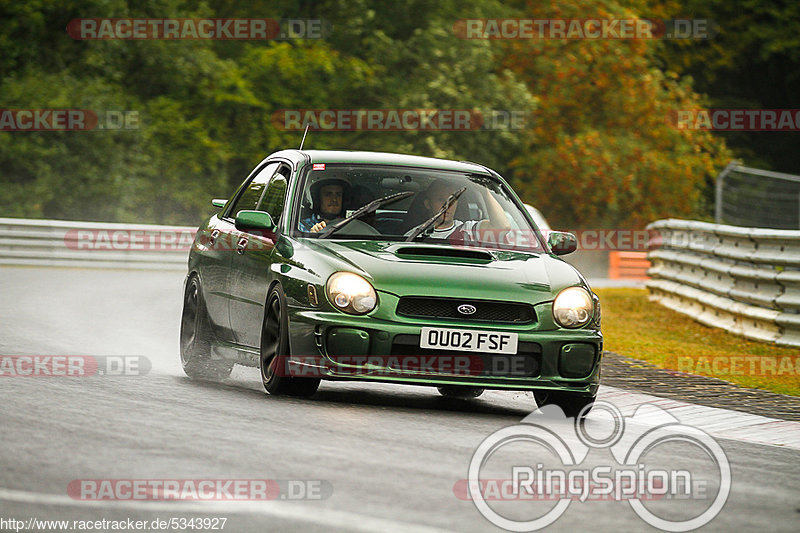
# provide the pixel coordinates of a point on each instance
(460, 391)
(572, 404)
(275, 350)
(195, 338)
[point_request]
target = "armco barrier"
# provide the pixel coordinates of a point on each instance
(744, 280)
(94, 244)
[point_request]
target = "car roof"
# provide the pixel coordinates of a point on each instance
(379, 158)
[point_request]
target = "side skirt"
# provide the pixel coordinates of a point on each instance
(243, 355)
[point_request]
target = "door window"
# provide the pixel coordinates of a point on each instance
(275, 196)
(250, 196)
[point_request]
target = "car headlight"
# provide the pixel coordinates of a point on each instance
(351, 293)
(573, 307)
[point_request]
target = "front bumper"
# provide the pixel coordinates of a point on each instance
(336, 346)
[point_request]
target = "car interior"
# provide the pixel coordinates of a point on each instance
(396, 219)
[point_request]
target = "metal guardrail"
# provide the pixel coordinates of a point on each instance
(757, 198)
(744, 280)
(94, 244)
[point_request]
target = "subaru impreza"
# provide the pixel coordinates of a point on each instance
(340, 265)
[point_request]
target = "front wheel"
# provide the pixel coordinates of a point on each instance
(275, 351)
(571, 403)
(195, 338)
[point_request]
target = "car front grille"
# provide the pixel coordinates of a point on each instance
(447, 308)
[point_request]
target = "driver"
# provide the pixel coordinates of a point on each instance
(447, 225)
(327, 199)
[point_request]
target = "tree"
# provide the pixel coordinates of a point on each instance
(603, 151)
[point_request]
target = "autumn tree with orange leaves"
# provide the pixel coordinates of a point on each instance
(603, 150)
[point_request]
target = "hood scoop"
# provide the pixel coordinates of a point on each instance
(425, 252)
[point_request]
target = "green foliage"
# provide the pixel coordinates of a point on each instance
(206, 107)
(603, 152)
(752, 63)
(595, 148)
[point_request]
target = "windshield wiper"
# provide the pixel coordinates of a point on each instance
(365, 210)
(428, 223)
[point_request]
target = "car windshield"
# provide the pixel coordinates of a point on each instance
(481, 211)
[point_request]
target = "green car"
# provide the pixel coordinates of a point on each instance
(393, 268)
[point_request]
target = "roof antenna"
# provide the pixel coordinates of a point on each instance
(304, 136)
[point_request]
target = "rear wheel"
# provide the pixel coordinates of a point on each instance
(460, 391)
(572, 404)
(275, 351)
(195, 338)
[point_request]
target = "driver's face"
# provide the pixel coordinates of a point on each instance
(330, 201)
(435, 202)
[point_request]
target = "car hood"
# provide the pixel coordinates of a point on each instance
(406, 269)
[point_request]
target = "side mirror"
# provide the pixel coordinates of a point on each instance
(219, 202)
(284, 246)
(562, 243)
(254, 220)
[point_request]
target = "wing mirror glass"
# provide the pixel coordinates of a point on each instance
(562, 242)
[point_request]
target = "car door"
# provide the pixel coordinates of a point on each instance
(218, 247)
(250, 267)
(246, 197)
(214, 247)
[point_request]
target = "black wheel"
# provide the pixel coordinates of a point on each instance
(572, 404)
(460, 391)
(275, 350)
(196, 338)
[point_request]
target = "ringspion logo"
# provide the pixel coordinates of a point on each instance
(636, 476)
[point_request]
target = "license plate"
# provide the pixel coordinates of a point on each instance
(468, 340)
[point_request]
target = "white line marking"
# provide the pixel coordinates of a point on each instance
(723, 423)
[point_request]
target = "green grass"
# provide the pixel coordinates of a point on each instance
(635, 327)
